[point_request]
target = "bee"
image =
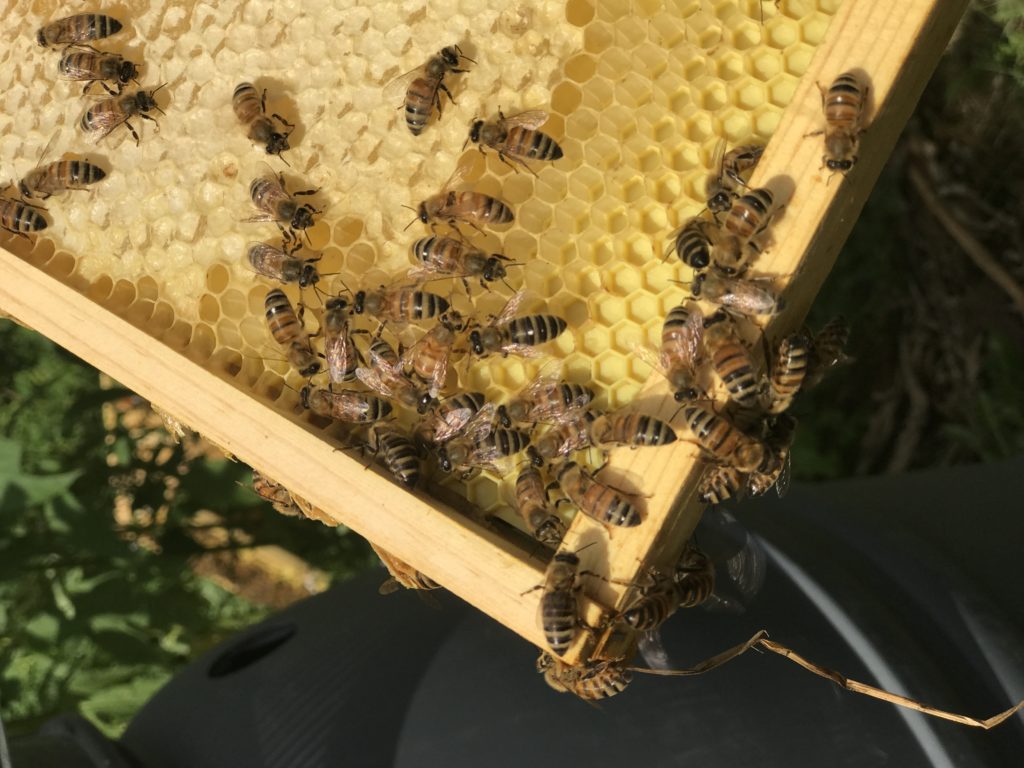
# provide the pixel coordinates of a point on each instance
(682, 335)
(515, 335)
(251, 109)
(60, 176)
(281, 265)
(287, 329)
(399, 454)
(402, 574)
(748, 217)
(449, 416)
(532, 502)
(693, 243)
(270, 197)
(404, 304)
(719, 483)
(595, 499)
(472, 208)
(280, 498)
(516, 137)
(722, 186)
(96, 67)
(20, 217)
(546, 400)
(788, 372)
(77, 29)
(561, 439)
(694, 577)
(731, 360)
(385, 376)
(724, 441)
(827, 349)
(423, 93)
(347, 405)
(559, 611)
(843, 105)
(339, 350)
(428, 358)
(657, 600)
(774, 470)
(597, 680)
(104, 116)
(749, 297)
(449, 257)
(632, 429)
(477, 444)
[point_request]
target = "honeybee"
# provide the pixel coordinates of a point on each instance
(516, 137)
(570, 434)
(281, 265)
(722, 186)
(843, 105)
(693, 242)
(681, 337)
(428, 358)
(287, 329)
(271, 198)
(19, 217)
(472, 208)
(449, 257)
(515, 335)
(423, 93)
(77, 29)
(60, 176)
(719, 483)
(724, 441)
(347, 405)
(398, 452)
(478, 450)
(656, 601)
(632, 429)
(402, 574)
(448, 417)
(97, 67)
(694, 577)
(774, 471)
(403, 304)
(251, 109)
(385, 376)
(597, 680)
(339, 350)
(558, 612)
(280, 498)
(731, 360)
(748, 217)
(749, 297)
(104, 116)
(546, 400)
(532, 502)
(788, 372)
(827, 349)
(595, 499)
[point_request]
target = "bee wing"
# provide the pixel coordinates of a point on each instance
(718, 158)
(398, 86)
(785, 476)
(531, 120)
(652, 649)
(481, 424)
(458, 176)
(510, 308)
(522, 350)
(371, 379)
(103, 122)
(692, 336)
(451, 424)
(650, 357)
(338, 351)
(258, 217)
(424, 272)
(440, 374)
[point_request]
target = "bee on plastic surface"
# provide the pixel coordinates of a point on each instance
(731, 360)
(593, 682)
(595, 499)
(693, 243)
(77, 29)
(20, 218)
(402, 574)
(60, 176)
(682, 336)
(385, 375)
(736, 246)
(508, 334)
(251, 109)
(467, 207)
(279, 264)
(350, 406)
(271, 198)
(447, 257)
(788, 371)
(516, 138)
(547, 399)
(98, 67)
(287, 329)
(404, 304)
(827, 350)
(423, 93)
(723, 186)
(558, 612)
(724, 441)
(339, 349)
(398, 452)
(843, 105)
(532, 503)
(749, 297)
(106, 115)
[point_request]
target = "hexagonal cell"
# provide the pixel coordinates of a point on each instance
(781, 89)
(557, 248)
(709, 93)
(581, 124)
(614, 64)
(626, 335)
(622, 279)
(580, 68)
(552, 188)
(780, 32)
(748, 94)
(683, 157)
(586, 184)
(633, 189)
(668, 30)
(217, 278)
(653, 218)
(641, 306)
(609, 215)
(633, 90)
(565, 98)
(602, 152)
(650, 60)
(666, 188)
(735, 124)
(609, 367)
(813, 28)
(728, 65)
(579, 12)
(542, 279)
(630, 32)
(766, 119)
(599, 94)
(234, 304)
(612, 10)
(798, 58)
(638, 252)
(764, 65)
(606, 309)
(535, 216)
(643, 155)
(572, 215)
(598, 36)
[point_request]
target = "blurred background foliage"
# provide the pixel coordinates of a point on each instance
(114, 571)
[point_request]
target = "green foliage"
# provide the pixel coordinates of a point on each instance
(1010, 52)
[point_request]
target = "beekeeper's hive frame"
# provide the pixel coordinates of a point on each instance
(126, 331)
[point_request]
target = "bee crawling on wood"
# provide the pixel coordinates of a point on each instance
(843, 104)
(724, 184)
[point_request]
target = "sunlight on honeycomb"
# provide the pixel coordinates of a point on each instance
(639, 94)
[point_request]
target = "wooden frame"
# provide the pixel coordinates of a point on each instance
(118, 331)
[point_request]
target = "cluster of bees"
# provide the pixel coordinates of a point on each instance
(82, 63)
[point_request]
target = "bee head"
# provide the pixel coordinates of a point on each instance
(357, 305)
(303, 218)
(493, 269)
(277, 143)
(474, 131)
(311, 370)
(476, 343)
(424, 403)
(841, 166)
(443, 460)
(534, 456)
(450, 55)
(720, 203)
(422, 214)
(309, 276)
(336, 303)
(127, 71)
(698, 281)
(503, 417)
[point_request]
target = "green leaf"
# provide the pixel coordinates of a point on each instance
(44, 626)
(112, 708)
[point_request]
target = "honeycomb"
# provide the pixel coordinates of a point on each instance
(639, 94)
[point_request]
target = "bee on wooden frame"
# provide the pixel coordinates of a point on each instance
(516, 138)
(385, 376)
(724, 184)
(843, 105)
(682, 335)
(750, 297)
(531, 496)
(546, 399)
(287, 329)
(106, 115)
(350, 406)
(402, 574)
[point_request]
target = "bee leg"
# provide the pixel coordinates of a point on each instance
(144, 116)
(443, 87)
(283, 121)
(813, 133)
(135, 134)
(107, 88)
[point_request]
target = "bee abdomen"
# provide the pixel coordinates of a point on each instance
(509, 442)
(721, 483)
(422, 305)
(535, 329)
(400, 457)
(558, 611)
(532, 144)
(495, 211)
(281, 318)
(732, 364)
(18, 217)
(419, 100)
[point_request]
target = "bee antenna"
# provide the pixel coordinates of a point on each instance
(280, 156)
